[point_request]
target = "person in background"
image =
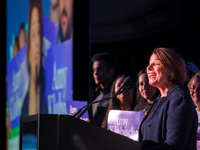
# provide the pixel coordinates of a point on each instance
(34, 101)
(15, 46)
(54, 11)
(20, 40)
(191, 70)
(65, 20)
(171, 123)
(194, 87)
(124, 101)
(104, 68)
(146, 94)
(22, 36)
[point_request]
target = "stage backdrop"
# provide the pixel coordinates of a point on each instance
(39, 48)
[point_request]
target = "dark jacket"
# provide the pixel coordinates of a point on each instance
(99, 109)
(171, 123)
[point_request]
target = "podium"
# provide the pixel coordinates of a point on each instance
(64, 132)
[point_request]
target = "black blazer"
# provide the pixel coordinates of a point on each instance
(171, 123)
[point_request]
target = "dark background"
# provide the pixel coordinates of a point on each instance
(130, 29)
(3, 74)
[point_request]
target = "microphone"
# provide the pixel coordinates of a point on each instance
(126, 84)
(126, 88)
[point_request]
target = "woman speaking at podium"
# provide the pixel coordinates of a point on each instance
(171, 123)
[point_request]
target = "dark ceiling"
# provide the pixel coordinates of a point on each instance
(132, 19)
(131, 29)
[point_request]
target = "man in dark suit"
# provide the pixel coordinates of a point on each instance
(104, 66)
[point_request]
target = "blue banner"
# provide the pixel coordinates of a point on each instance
(50, 34)
(59, 77)
(17, 85)
(73, 106)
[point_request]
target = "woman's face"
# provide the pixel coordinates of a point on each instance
(127, 95)
(147, 91)
(157, 74)
(34, 54)
(195, 89)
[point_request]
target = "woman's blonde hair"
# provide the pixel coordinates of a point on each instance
(173, 63)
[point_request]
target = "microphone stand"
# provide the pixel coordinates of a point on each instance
(82, 110)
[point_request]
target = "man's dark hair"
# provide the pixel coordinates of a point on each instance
(110, 59)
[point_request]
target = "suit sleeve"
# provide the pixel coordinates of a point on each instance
(178, 121)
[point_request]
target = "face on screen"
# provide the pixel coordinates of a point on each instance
(34, 54)
(66, 18)
(54, 3)
(21, 38)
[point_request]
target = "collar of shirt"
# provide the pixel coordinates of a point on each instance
(105, 90)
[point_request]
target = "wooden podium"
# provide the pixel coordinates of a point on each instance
(64, 132)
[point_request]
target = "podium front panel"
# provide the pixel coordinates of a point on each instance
(77, 134)
(64, 132)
